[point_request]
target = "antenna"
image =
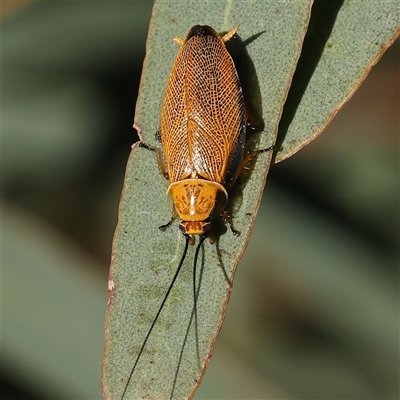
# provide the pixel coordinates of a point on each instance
(158, 314)
(195, 293)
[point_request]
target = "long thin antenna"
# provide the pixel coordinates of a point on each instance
(158, 313)
(196, 293)
(192, 315)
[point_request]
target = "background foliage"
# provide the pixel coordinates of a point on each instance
(319, 320)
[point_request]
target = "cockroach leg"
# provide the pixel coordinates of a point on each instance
(250, 128)
(179, 40)
(148, 147)
(160, 157)
(169, 223)
(249, 156)
(228, 220)
(158, 136)
(230, 34)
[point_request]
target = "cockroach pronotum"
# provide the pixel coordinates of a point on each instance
(203, 134)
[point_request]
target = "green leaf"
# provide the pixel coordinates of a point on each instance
(145, 259)
(344, 41)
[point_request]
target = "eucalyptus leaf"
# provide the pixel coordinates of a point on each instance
(344, 41)
(145, 259)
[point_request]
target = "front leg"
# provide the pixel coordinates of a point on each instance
(160, 158)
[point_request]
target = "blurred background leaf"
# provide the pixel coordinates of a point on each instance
(319, 320)
(345, 39)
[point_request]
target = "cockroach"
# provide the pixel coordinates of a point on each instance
(203, 133)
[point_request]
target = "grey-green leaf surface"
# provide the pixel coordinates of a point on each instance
(344, 41)
(145, 259)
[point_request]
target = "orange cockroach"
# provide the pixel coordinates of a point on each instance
(203, 133)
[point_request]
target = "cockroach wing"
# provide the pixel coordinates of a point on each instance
(215, 107)
(174, 121)
(203, 113)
